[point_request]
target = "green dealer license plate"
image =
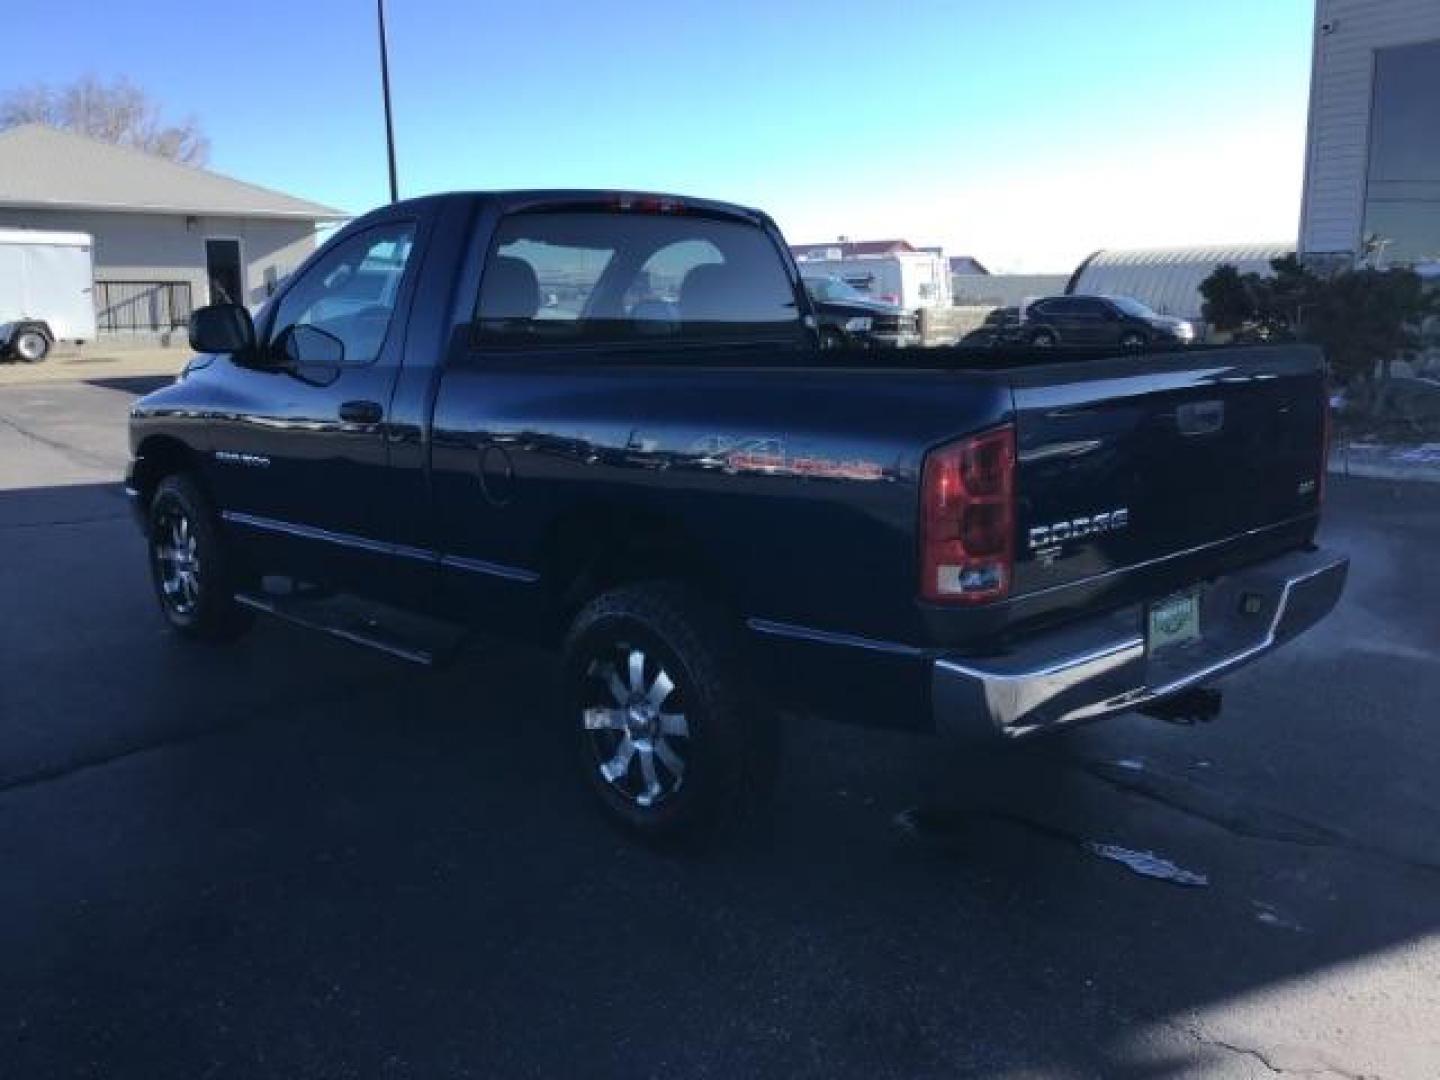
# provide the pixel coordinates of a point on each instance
(1173, 621)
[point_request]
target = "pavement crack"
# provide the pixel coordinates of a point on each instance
(1278, 1070)
(1242, 1051)
(241, 718)
(1249, 821)
(1253, 821)
(1267, 1059)
(82, 457)
(54, 773)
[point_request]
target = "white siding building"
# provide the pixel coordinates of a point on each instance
(167, 237)
(1372, 169)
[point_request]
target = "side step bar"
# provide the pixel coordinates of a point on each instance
(376, 626)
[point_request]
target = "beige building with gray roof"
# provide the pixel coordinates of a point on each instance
(167, 237)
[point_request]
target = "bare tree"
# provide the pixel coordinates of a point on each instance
(117, 111)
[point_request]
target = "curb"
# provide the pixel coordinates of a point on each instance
(1403, 463)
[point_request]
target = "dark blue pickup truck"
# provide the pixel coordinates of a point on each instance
(602, 421)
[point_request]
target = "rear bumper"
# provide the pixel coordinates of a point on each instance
(1101, 666)
(896, 339)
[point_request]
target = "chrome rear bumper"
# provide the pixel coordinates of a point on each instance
(1101, 666)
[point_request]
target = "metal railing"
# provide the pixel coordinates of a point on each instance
(142, 305)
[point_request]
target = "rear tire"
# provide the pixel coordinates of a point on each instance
(657, 693)
(30, 345)
(1043, 339)
(192, 568)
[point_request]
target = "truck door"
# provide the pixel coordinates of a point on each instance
(540, 430)
(300, 455)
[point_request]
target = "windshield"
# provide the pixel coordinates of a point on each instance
(1131, 306)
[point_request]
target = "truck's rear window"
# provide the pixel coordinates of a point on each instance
(597, 277)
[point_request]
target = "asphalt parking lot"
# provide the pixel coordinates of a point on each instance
(292, 858)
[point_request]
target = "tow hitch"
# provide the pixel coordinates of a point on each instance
(1196, 706)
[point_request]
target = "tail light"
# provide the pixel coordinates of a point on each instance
(967, 519)
(648, 204)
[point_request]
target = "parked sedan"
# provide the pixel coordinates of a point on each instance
(849, 317)
(1001, 327)
(1100, 321)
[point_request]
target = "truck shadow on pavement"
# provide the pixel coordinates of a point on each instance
(135, 385)
(290, 857)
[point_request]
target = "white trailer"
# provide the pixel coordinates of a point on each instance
(911, 279)
(46, 291)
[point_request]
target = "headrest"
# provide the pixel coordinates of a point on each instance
(510, 290)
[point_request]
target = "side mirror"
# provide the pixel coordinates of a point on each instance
(222, 328)
(302, 346)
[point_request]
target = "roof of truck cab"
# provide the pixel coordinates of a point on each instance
(599, 197)
(521, 200)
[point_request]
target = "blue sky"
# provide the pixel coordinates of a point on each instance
(1026, 132)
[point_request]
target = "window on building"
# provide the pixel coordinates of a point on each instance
(1402, 204)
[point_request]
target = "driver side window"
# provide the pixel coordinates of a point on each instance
(339, 311)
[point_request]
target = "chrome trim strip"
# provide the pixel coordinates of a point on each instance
(307, 532)
(480, 566)
(407, 552)
(1132, 567)
(828, 637)
(378, 547)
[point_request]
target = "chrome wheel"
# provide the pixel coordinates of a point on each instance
(636, 727)
(30, 345)
(177, 562)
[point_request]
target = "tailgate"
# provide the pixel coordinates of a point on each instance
(1123, 462)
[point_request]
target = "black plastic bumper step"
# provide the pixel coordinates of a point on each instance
(377, 626)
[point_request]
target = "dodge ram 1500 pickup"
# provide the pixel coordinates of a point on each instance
(601, 421)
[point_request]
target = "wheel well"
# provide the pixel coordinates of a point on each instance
(33, 324)
(160, 456)
(596, 548)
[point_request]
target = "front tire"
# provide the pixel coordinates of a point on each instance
(192, 568)
(1132, 341)
(1043, 339)
(31, 346)
(657, 694)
